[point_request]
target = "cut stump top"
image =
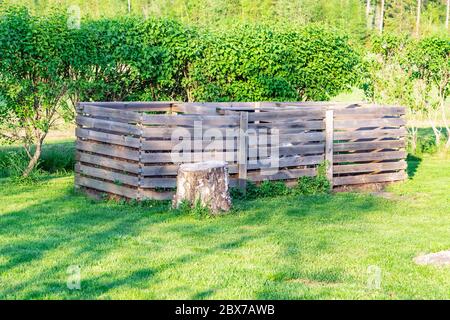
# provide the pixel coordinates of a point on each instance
(202, 166)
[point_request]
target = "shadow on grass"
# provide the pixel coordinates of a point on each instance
(413, 164)
(69, 229)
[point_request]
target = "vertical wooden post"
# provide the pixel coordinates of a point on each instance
(329, 139)
(141, 137)
(243, 150)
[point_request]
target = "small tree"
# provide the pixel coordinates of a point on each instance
(388, 81)
(429, 60)
(33, 68)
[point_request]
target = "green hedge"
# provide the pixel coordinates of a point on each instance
(134, 59)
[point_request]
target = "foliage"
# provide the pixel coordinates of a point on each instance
(412, 73)
(268, 189)
(16, 163)
(260, 63)
(113, 62)
(34, 63)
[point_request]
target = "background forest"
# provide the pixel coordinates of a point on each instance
(357, 17)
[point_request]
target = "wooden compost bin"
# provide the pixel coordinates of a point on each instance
(125, 148)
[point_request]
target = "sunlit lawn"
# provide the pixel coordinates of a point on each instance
(289, 247)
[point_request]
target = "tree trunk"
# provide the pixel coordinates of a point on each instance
(205, 183)
(419, 8)
(437, 132)
(381, 16)
(33, 160)
(447, 18)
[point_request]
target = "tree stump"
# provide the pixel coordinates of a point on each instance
(206, 183)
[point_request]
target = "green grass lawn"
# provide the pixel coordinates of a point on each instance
(317, 247)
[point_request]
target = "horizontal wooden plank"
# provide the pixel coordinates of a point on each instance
(289, 150)
(286, 126)
(104, 186)
(369, 156)
(118, 115)
(110, 126)
(146, 194)
(301, 137)
(118, 178)
(132, 167)
(370, 134)
(283, 174)
(370, 167)
(170, 157)
(172, 170)
(285, 162)
(123, 191)
(108, 149)
(358, 146)
(383, 122)
(174, 132)
(195, 145)
(134, 105)
(369, 178)
(122, 140)
(292, 114)
(375, 111)
(160, 170)
(159, 182)
(190, 120)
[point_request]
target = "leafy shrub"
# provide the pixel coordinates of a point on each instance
(312, 185)
(14, 164)
(258, 63)
(267, 189)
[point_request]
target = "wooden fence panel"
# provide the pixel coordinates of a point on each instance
(127, 148)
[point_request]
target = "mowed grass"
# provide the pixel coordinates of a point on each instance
(318, 247)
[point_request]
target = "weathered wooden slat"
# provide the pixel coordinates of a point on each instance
(276, 115)
(283, 174)
(168, 133)
(105, 186)
(383, 122)
(107, 174)
(370, 167)
(108, 149)
(108, 125)
(195, 145)
(376, 111)
(131, 167)
(134, 106)
(370, 134)
(158, 182)
(116, 114)
(289, 126)
(302, 137)
(358, 146)
(370, 178)
(189, 120)
(286, 162)
(170, 157)
(289, 150)
(369, 156)
(172, 170)
(122, 140)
